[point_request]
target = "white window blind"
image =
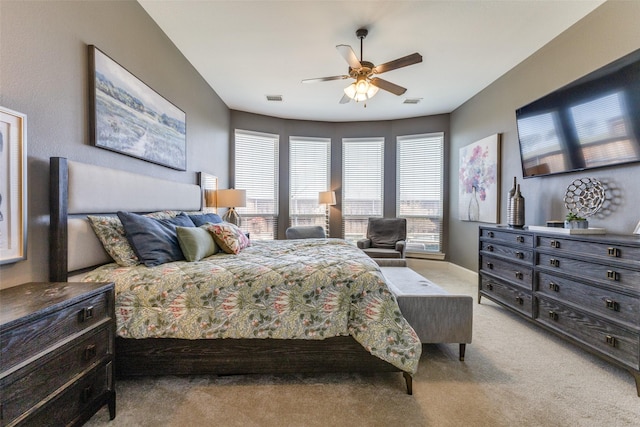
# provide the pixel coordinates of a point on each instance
(362, 184)
(308, 175)
(419, 190)
(256, 171)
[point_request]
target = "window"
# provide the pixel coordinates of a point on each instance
(419, 190)
(256, 171)
(308, 175)
(362, 184)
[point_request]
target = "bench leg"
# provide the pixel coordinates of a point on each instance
(463, 347)
(409, 380)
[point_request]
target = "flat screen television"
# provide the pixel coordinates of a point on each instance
(591, 123)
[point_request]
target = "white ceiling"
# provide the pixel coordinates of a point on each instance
(247, 50)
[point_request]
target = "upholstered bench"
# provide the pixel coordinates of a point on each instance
(435, 315)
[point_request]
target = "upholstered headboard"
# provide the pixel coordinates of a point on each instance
(78, 189)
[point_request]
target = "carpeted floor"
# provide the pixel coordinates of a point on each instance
(515, 374)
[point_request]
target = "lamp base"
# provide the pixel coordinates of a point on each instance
(231, 216)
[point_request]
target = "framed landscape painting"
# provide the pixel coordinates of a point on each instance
(13, 186)
(129, 117)
(479, 181)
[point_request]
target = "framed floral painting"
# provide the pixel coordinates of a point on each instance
(479, 181)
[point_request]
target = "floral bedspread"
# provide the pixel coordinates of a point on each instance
(286, 289)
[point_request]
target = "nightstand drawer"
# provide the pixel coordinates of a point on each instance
(29, 386)
(616, 306)
(71, 407)
(36, 336)
(610, 339)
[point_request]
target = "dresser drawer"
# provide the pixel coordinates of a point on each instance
(611, 304)
(28, 386)
(36, 336)
(515, 273)
(612, 276)
(516, 254)
(513, 238)
(513, 297)
(71, 407)
(606, 251)
(610, 339)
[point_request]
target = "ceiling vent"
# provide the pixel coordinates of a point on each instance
(412, 101)
(274, 98)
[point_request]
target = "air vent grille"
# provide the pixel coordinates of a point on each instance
(274, 98)
(412, 101)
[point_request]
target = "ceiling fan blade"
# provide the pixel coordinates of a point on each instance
(325, 79)
(388, 86)
(405, 61)
(345, 99)
(349, 55)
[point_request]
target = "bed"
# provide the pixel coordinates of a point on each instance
(294, 306)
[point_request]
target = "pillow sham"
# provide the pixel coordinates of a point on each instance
(111, 234)
(196, 242)
(153, 240)
(229, 237)
(202, 219)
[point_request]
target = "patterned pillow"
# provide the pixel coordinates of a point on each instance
(111, 234)
(229, 237)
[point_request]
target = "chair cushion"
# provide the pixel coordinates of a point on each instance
(382, 253)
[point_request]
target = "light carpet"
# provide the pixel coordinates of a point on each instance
(514, 374)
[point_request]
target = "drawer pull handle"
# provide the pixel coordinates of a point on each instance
(520, 255)
(90, 352)
(519, 239)
(553, 315)
(490, 265)
(490, 234)
(554, 262)
(612, 341)
(519, 275)
(612, 305)
(87, 392)
(555, 244)
(614, 252)
(489, 286)
(86, 313)
(613, 275)
(554, 287)
(519, 300)
(490, 248)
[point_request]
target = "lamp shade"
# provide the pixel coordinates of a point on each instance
(327, 198)
(232, 198)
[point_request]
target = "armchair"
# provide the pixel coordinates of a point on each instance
(385, 238)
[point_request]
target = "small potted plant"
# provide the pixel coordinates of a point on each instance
(574, 221)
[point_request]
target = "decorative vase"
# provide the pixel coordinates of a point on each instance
(515, 209)
(473, 212)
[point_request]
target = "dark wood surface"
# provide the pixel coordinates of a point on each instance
(57, 344)
(585, 288)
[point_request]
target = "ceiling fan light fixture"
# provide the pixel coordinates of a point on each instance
(361, 90)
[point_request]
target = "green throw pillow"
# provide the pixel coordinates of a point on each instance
(196, 243)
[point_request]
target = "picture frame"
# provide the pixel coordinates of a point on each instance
(479, 181)
(13, 186)
(129, 117)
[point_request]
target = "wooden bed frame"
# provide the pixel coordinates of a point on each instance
(75, 188)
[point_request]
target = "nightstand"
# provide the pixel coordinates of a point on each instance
(56, 353)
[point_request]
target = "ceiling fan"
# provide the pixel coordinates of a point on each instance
(366, 86)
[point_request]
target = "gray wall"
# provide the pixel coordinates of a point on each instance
(611, 31)
(336, 131)
(43, 73)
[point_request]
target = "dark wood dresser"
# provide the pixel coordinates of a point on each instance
(56, 353)
(585, 288)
